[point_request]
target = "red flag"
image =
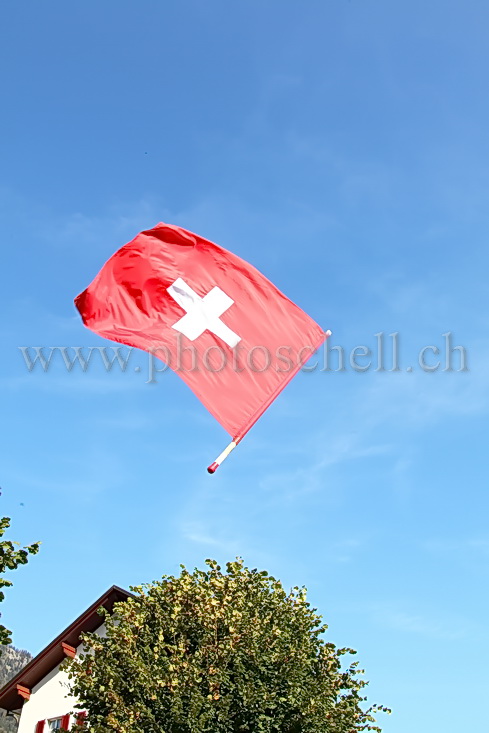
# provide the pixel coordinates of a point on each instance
(228, 332)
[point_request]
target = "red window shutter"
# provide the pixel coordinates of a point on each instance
(40, 726)
(65, 722)
(81, 718)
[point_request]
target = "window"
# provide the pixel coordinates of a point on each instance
(61, 723)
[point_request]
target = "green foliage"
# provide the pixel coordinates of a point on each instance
(11, 556)
(214, 652)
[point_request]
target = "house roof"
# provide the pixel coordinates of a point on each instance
(13, 693)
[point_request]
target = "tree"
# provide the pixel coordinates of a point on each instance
(214, 652)
(10, 558)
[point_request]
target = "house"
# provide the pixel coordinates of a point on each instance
(38, 695)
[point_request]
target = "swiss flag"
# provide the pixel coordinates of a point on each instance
(228, 332)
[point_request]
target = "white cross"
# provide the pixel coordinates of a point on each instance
(202, 314)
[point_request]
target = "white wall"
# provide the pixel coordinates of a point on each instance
(49, 699)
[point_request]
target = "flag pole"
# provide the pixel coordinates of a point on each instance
(220, 458)
(232, 445)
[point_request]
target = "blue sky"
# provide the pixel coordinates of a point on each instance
(341, 147)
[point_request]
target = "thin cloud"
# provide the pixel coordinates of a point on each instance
(415, 622)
